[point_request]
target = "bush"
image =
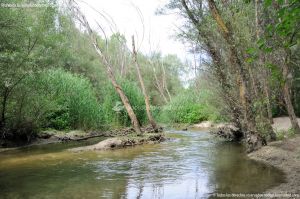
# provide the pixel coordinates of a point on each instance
(188, 108)
(112, 107)
(56, 99)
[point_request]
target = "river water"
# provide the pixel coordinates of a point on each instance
(193, 164)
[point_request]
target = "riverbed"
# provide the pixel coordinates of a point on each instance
(192, 164)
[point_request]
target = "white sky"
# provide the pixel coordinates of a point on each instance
(158, 30)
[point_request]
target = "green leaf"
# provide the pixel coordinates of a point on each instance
(268, 50)
(251, 51)
(268, 3)
(280, 1)
(249, 59)
(261, 43)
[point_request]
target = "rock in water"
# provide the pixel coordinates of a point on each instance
(103, 145)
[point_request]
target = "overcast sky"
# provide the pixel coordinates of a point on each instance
(158, 30)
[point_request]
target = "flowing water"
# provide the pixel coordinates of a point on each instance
(193, 164)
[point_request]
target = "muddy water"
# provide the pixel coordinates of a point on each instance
(193, 165)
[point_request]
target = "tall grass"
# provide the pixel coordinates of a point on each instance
(112, 107)
(55, 98)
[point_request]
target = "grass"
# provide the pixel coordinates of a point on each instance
(282, 134)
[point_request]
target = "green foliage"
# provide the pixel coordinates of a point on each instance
(55, 79)
(56, 99)
(59, 119)
(77, 98)
(282, 134)
(113, 110)
(188, 107)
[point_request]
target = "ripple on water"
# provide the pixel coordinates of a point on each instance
(191, 165)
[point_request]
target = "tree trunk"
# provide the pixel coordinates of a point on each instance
(134, 121)
(254, 141)
(165, 81)
(264, 95)
(287, 97)
(146, 97)
(159, 87)
(218, 68)
(261, 59)
(245, 98)
(3, 110)
(268, 101)
(93, 37)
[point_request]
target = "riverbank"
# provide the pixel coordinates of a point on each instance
(285, 155)
(54, 136)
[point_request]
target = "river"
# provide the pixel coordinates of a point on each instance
(193, 164)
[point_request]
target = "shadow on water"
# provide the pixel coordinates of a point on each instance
(192, 165)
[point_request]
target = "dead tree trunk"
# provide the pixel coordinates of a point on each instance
(146, 97)
(109, 68)
(165, 85)
(159, 86)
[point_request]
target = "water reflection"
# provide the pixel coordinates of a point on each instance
(193, 165)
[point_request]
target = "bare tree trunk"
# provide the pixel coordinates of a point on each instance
(134, 121)
(159, 87)
(122, 60)
(165, 85)
(146, 97)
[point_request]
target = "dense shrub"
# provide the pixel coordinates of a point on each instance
(113, 110)
(188, 108)
(57, 99)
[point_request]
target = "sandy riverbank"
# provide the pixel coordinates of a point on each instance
(283, 154)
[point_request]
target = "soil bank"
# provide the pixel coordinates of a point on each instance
(284, 155)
